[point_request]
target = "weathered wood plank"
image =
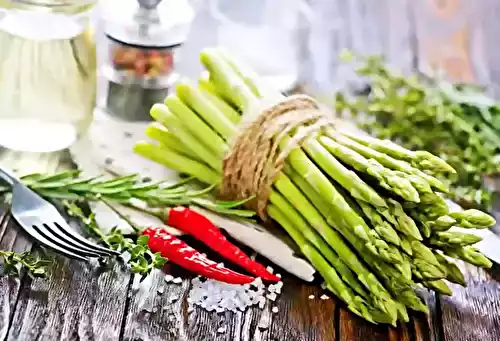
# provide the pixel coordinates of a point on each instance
(157, 309)
(473, 313)
(9, 287)
(428, 327)
(300, 317)
(77, 301)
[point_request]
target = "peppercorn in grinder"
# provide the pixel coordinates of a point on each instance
(142, 41)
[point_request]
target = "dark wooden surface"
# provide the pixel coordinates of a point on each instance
(86, 302)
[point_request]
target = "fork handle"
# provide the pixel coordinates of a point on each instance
(8, 176)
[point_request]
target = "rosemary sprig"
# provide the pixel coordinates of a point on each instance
(127, 189)
(13, 263)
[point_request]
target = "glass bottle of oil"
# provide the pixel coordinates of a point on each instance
(47, 73)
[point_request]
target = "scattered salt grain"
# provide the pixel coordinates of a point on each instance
(272, 296)
(324, 297)
(311, 297)
(323, 286)
(278, 275)
(269, 269)
(161, 290)
(168, 278)
(221, 330)
(275, 310)
(219, 265)
(177, 280)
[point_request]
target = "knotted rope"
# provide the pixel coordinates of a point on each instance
(258, 152)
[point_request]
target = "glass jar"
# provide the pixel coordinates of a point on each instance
(47, 73)
(142, 43)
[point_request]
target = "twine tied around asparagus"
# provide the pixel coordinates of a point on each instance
(258, 152)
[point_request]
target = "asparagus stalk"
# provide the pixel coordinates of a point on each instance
(473, 219)
(420, 159)
(161, 114)
(223, 107)
(470, 255)
(386, 178)
(443, 223)
(401, 221)
(383, 228)
(439, 286)
(173, 160)
(192, 123)
(453, 273)
(453, 238)
(159, 133)
(346, 178)
(205, 108)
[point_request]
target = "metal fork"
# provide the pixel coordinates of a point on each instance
(41, 220)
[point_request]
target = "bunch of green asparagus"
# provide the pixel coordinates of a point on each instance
(368, 214)
(459, 123)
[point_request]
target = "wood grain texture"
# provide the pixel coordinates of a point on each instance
(473, 313)
(77, 301)
(10, 239)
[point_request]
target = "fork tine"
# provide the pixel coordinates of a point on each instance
(65, 229)
(52, 233)
(48, 243)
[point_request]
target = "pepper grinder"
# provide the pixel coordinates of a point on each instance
(143, 39)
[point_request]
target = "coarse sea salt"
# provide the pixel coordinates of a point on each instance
(216, 296)
(324, 297)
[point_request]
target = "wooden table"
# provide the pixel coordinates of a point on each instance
(87, 302)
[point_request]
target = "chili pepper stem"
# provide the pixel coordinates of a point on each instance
(160, 213)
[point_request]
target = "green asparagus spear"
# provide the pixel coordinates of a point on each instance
(470, 255)
(453, 273)
(453, 238)
(439, 286)
(473, 219)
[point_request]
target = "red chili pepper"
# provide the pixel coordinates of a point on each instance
(204, 230)
(178, 252)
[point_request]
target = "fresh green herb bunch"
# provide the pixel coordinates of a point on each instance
(12, 263)
(458, 123)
